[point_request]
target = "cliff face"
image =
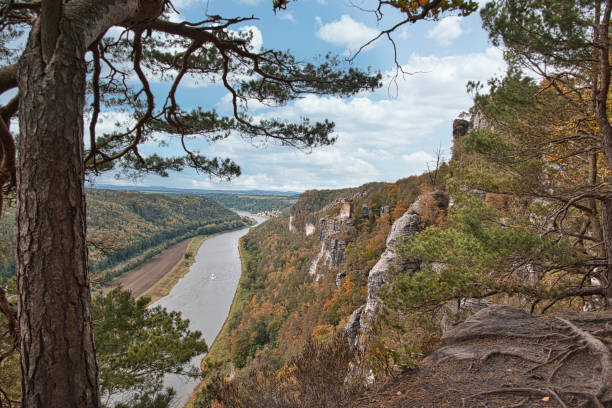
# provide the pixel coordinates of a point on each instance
(285, 305)
(332, 245)
(407, 225)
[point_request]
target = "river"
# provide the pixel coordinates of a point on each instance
(204, 296)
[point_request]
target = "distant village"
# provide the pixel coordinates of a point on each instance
(270, 213)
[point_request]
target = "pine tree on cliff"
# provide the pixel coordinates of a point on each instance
(541, 158)
(566, 43)
(69, 55)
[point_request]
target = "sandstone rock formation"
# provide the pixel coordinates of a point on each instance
(385, 210)
(461, 127)
(291, 226)
(346, 210)
(354, 323)
(309, 229)
(339, 278)
(407, 225)
(332, 247)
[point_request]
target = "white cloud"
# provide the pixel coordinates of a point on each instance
(345, 32)
(257, 40)
(380, 137)
(250, 2)
(446, 31)
(404, 34)
(287, 15)
(417, 162)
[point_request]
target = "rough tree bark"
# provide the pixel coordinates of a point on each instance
(58, 358)
(57, 349)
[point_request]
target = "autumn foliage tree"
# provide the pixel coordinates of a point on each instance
(567, 45)
(531, 219)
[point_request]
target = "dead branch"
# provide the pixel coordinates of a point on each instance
(412, 18)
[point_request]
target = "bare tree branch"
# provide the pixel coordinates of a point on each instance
(8, 78)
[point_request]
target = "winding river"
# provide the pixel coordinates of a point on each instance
(204, 295)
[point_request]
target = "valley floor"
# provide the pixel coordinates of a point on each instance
(143, 277)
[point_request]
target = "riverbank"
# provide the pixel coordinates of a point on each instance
(163, 286)
(157, 276)
(147, 274)
(219, 350)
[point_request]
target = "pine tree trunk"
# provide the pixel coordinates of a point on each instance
(603, 121)
(57, 349)
(606, 217)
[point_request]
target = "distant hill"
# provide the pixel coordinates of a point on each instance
(252, 202)
(162, 189)
(244, 200)
(125, 224)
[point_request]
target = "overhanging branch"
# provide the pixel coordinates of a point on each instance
(8, 78)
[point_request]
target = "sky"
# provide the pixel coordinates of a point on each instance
(384, 135)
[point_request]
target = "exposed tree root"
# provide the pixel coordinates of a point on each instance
(502, 358)
(522, 390)
(509, 353)
(598, 348)
(557, 397)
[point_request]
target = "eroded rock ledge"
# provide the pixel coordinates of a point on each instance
(505, 357)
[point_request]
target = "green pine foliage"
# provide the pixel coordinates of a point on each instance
(136, 345)
(477, 255)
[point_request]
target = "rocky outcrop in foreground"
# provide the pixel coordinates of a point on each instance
(504, 357)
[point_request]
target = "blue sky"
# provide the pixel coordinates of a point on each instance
(382, 136)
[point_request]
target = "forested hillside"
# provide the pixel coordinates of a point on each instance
(279, 307)
(123, 224)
